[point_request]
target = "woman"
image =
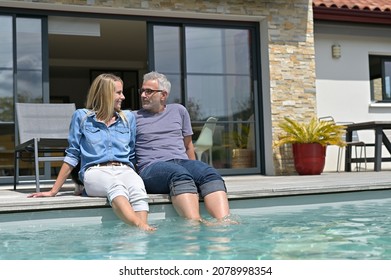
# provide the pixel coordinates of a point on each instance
(102, 139)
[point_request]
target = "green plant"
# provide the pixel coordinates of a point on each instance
(240, 136)
(315, 131)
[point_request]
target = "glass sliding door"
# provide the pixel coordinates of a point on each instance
(212, 73)
(6, 97)
(21, 72)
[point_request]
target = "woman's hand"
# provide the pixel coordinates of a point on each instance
(65, 171)
(42, 194)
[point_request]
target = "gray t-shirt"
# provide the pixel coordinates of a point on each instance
(159, 137)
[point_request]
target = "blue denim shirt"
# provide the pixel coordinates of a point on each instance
(92, 142)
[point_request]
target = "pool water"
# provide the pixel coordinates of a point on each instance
(358, 229)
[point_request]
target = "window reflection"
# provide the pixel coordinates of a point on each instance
(6, 42)
(27, 82)
(6, 96)
(29, 86)
(167, 55)
(29, 43)
(29, 60)
(222, 96)
(387, 79)
(218, 83)
(216, 50)
(176, 92)
(380, 78)
(6, 70)
(167, 49)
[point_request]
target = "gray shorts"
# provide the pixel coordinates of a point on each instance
(176, 177)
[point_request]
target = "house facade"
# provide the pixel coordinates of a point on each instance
(247, 63)
(354, 84)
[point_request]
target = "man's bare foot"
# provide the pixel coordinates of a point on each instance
(218, 222)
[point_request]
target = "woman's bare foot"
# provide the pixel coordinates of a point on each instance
(146, 227)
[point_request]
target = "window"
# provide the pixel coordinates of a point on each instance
(6, 97)
(211, 69)
(21, 75)
(380, 78)
(6, 70)
(29, 60)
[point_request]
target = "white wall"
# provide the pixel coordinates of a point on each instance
(342, 85)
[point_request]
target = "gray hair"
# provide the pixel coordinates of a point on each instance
(162, 80)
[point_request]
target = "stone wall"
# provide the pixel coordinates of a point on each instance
(291, 50)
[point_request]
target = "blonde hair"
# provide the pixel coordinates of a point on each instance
(100, 97)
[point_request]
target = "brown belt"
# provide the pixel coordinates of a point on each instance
(111, 163)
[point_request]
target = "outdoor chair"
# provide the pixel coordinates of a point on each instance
(357, 144)
(360, 147)
(43, 135)
(205, 139)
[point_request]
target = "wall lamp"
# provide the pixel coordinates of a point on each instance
(336, 51)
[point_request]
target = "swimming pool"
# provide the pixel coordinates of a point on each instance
(354, 225)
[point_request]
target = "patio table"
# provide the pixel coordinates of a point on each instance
(380, 138)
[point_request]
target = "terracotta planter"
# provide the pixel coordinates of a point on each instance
(242, 158)
(309, 158)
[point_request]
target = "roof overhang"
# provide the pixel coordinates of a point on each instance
(351, 15)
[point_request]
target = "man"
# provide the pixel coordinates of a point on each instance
(166, 158)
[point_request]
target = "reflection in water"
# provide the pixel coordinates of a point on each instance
(218, 242)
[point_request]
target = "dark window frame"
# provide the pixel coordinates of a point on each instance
(377, 70)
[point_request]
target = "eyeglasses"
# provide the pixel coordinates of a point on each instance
(148, 91)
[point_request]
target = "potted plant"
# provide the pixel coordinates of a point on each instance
(242, 155)
(309, 142)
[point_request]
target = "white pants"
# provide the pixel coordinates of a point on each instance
(113, 181)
